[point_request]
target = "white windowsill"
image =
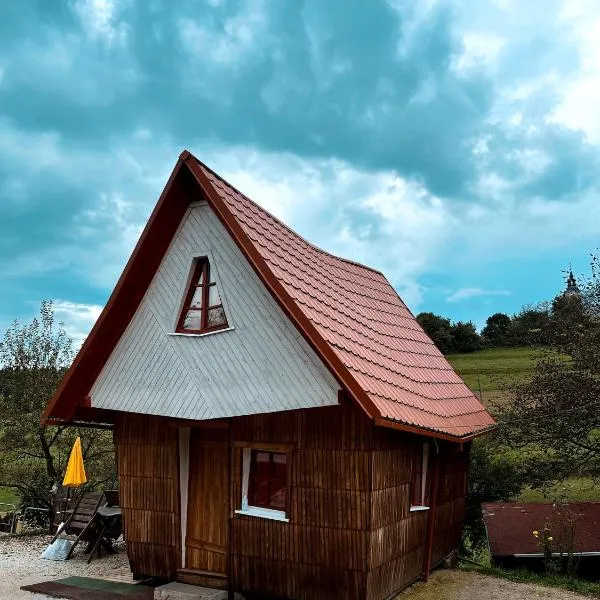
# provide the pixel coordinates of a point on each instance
(202, 334)
(418, 508)
(263, 513)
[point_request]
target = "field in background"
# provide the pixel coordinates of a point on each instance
(7, 495)
(487, 371)
(576, 489)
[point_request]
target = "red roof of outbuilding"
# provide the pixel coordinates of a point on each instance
(350, 313)
(510, 527)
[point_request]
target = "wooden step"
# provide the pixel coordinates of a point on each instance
(208, 579)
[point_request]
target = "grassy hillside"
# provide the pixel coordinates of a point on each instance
(489, 370)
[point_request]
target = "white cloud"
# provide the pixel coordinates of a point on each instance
(474, 292)
(99, 20)
(375, 218)
(480, 49)
(231, 44)
(581, 91)
(78, 318)
(117, 187)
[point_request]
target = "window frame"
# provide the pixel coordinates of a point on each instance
(201, 266)
(420, 481)
(261, 511)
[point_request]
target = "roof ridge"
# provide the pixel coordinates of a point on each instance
(186, 155)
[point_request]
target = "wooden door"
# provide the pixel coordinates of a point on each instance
(208, 501)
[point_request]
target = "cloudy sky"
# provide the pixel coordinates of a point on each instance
(453, 144)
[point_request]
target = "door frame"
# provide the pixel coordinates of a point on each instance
(184, 482)
(184, 437)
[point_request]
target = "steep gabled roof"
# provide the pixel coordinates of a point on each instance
(349, 313)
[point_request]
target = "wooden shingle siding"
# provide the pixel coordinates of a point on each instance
(146, 449)
(262, 365)
(350, 532)
(451, 500)
(322, 552)
(397, 538)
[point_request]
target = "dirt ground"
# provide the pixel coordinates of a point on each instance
(20, 564)
(463, 585)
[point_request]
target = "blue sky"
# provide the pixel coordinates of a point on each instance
(453, 144)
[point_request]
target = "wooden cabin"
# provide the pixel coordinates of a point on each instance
(283, 426)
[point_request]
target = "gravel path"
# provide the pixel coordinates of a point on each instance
(462, 585)
(20, 564)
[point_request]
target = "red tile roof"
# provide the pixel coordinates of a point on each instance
(360, 315)
(349, 313)
(510, 527)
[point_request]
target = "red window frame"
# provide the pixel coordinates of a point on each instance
(268, 486)
(420, 480)
(200, 280)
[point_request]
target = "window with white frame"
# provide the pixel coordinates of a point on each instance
(419, 492)
(265, 483)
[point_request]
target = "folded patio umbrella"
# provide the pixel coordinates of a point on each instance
(75, 472)
(74, 477)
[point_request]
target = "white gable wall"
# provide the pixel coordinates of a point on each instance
(261, 364)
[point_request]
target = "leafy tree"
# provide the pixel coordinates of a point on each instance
(465, 337)
(496, 329)
(494, 477)
(530, 326)
(34, 358)
(439, 329)
(555, 416)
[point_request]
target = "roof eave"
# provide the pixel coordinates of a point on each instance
(63, 404)
(433, 433)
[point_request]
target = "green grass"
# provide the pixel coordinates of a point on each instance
(573, 584)
(575, 489)
(8, 495)
(489, 370)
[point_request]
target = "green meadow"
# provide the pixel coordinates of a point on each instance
(487, 372)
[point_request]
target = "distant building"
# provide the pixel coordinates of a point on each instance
(572, 287)
(511, 526)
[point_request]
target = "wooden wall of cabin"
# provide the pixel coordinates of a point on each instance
(146, 449)
(398, 536)
(452, 491)
(322, 552)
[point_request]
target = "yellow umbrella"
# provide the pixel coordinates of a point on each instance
(75, 473)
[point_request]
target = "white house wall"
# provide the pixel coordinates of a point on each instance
(262, 364)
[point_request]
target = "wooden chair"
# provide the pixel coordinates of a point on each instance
(79, 525)
(62, 503)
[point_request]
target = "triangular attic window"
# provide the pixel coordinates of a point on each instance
(203, 309)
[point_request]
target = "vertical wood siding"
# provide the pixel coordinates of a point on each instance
(322, 552)
(398, 536)
(451, 500)
(261, 365)
(146, 451)
(350, 534)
